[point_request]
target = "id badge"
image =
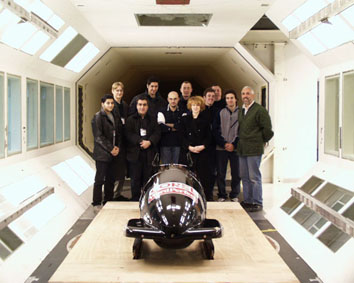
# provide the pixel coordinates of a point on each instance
(142, 132)
(123, 120)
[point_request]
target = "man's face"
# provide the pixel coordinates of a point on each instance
(230, 100)
(173, 99)
(247, 96)
(218, 92)
(108, 105)
(186, 90)
(152, 88)
(118, 93)
(209, 98)
(142, 107)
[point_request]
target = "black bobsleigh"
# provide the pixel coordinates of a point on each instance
(173, 213)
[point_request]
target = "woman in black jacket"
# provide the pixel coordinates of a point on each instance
(107, 129)
(196, 139)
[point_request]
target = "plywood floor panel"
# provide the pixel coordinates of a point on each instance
(104, 254)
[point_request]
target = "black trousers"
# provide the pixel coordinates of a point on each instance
(106, 173)
(223, 157)
(140, 171)
(201, 167)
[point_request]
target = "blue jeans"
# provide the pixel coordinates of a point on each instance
(222, 157)
(169, 154)
(251, 179)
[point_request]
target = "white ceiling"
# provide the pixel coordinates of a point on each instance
(115, 21)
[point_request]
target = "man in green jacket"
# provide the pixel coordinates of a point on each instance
(255, 129)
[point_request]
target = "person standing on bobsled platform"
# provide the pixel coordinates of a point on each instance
(120, 111)
(169, 120)
(107, 132)
(196, 138)
(142, 135)
(255, 130)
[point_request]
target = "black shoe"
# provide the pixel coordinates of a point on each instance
(255, 207)
(121, 198)
(246, 205)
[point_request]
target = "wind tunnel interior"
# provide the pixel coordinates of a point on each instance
(132, 66)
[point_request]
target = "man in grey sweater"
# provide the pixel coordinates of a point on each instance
(225, 130)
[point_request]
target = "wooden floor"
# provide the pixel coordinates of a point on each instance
(104, 254)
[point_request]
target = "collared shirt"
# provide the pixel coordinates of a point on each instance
(246, 108)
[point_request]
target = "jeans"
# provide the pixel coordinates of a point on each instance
(169, 154)
(251, 179)
(222, 157)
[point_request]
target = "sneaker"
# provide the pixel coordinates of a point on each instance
(221, 199)
(234, 199)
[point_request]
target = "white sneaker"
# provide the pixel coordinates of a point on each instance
(221, 199)
(234, 199)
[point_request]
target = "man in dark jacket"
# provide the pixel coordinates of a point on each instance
(186, 92)
(219, 102)
(142, 135)
(255, 129)
(106, 128)
(155, 101)
(169, 120)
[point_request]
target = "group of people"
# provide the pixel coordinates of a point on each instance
(203, 132)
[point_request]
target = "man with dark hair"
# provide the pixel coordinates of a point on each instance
(225, 130)
(219, 102)
(106, 128)
(186, 92)
(209, 98)
(255, 130)
(142, 134)
(209, 114)
(155, 101)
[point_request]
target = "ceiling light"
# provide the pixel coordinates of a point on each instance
(291, 22)
(309, 8)
(41, 10)
(334, 34)
(59, 44)
(81, 59)
(348, 14)
(16, 35)
(311, 43)
(35, 43)
(56, 22)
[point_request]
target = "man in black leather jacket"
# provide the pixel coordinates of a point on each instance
(107, 132)
(142, 135)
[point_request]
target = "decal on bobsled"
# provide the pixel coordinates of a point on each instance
(173, 188)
